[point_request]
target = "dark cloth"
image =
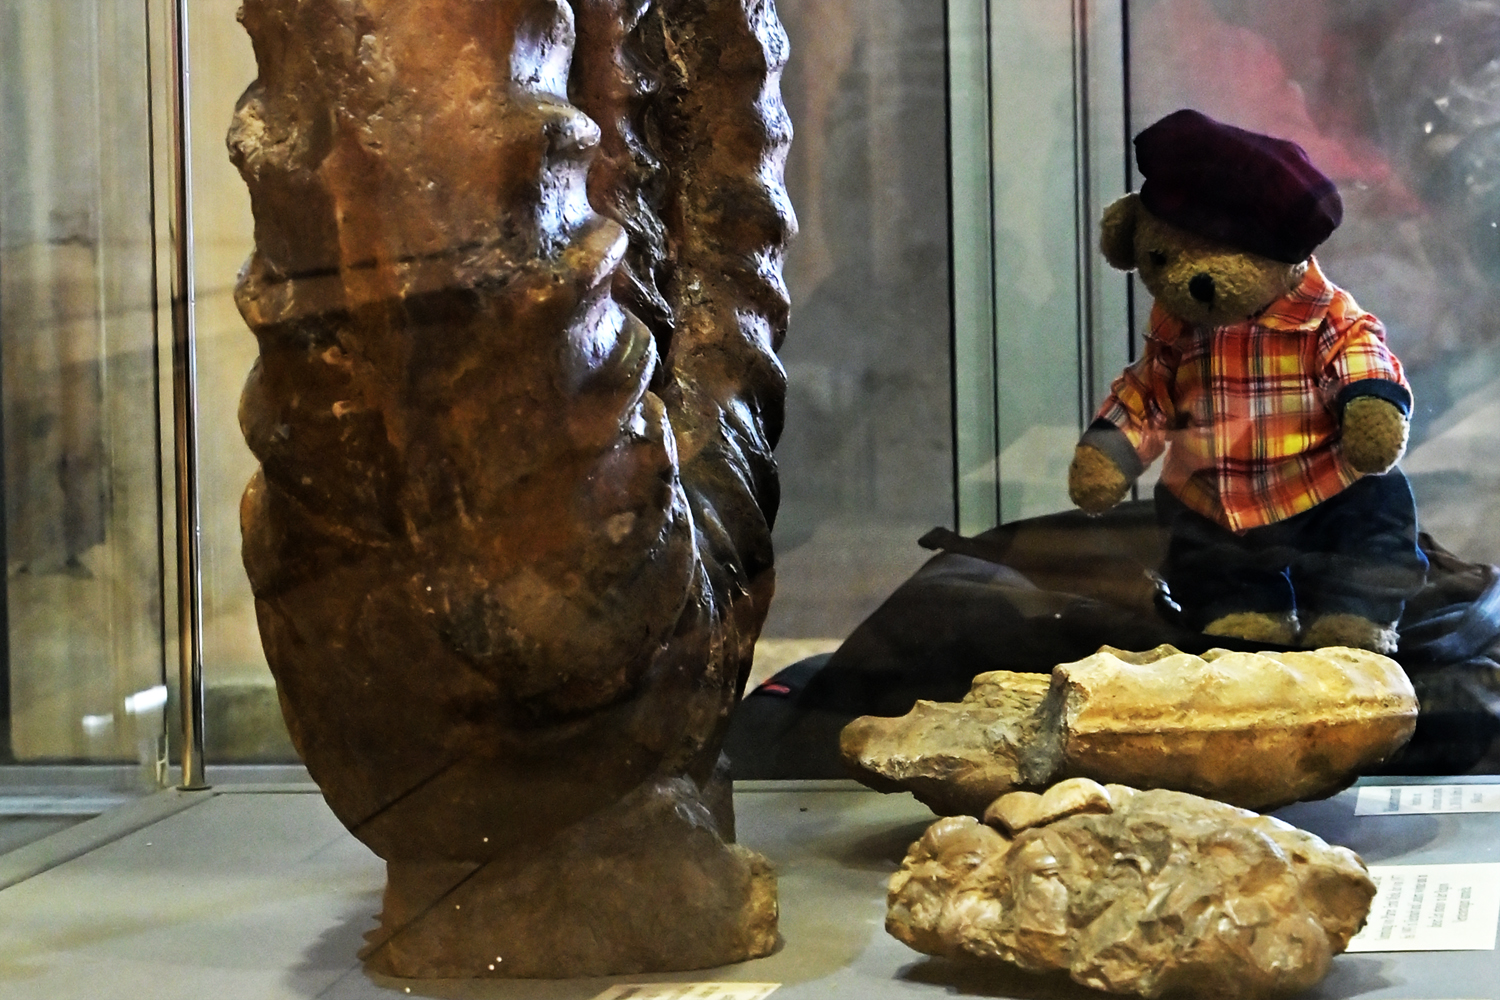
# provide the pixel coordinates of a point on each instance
(1354, 553)
(1249, 191)
(1029, 595)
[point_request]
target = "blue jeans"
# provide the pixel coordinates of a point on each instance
(1354, 553)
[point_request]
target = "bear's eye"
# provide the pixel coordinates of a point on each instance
(1158, 258)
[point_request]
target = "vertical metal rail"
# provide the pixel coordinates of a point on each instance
(973, 345)
(185, 410)
(1083, 212)
(154, 188)
(1129, 157)
(992, 205)
(956, 469)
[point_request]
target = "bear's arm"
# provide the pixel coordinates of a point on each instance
(1374, 434)
(1357, 362)
(1126, 436)
(1369, 393)
(1095, 481)
(1107, 439)
(1131, 424)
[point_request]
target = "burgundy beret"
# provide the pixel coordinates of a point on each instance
(1247, 190)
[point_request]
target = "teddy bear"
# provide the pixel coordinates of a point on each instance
(1275, 399)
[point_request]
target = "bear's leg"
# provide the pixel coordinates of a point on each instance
(1358, 562)
(1256, 626)
(1340, 629)
(1226, 584)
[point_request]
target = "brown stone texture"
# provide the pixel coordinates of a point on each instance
(651, 876)
(1165, 893)
(1253, 729)
(517, 291)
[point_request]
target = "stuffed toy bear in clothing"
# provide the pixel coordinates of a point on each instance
(1279, 407)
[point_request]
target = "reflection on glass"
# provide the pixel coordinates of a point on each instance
(242, 718)
(866, 457)
(1400, 104)
(82, 534)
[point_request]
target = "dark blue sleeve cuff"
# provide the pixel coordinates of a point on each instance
(1394, 393)
(1112, 441)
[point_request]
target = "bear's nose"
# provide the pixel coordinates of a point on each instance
(1202, 289)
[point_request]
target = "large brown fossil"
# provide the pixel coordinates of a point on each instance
(517, 291)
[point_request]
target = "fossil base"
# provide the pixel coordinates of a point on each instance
(647, 886)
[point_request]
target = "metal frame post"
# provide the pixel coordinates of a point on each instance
(185, 411)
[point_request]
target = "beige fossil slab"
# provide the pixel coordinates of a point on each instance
(1253, 729)
(1164, 893)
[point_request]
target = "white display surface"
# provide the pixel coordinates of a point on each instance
(275, 897)
(689, 991)
(1393, 800)
(1432, 908)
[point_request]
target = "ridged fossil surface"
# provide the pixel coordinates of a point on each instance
(1152, 893)
(517, 290)
(1253, 729)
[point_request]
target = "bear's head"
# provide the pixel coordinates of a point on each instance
(1225, 220)
(1195, 279)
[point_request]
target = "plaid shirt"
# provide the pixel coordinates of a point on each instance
(1249, 414)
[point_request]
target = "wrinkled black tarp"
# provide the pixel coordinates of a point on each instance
(1029, 595)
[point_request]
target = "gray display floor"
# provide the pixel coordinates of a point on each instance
(255, 892)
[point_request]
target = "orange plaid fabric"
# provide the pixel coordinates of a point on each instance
(1249, 414)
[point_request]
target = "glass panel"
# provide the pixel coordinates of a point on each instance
(242, 716)
(1400, 104)
(84, 663)
(866, 459)
(972, 223)
(1038, 337)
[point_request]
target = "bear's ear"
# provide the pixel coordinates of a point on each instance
(1117, 232)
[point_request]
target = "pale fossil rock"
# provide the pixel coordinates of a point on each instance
(1017, 811)
(954, 756)
(1166, 893)
(1252, 729)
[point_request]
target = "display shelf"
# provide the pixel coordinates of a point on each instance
(256, 891)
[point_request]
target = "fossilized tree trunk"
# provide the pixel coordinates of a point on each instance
(517, 291)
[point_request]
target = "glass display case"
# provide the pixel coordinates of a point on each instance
(1393, 101)
(954, 330)
(87, 592)
(869, 340)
